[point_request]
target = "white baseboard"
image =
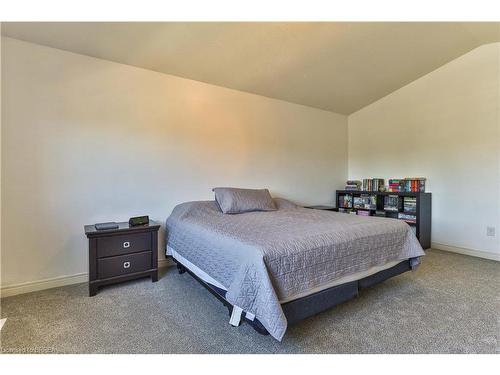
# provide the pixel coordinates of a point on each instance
(54, 282)
(465, 251)
(33, 286)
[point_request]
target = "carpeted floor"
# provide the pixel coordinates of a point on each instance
(451, 304)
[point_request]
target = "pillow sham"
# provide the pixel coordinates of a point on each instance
(235, 201)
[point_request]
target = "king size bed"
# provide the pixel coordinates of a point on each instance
(273, 266)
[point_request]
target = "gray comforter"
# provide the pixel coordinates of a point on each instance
(264, 257)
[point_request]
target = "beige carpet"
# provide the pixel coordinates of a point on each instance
(451, 304)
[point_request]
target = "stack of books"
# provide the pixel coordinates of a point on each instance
(415, 184)
(372, 184)
(391, 203)
(353, 185)
(396, 185)
(410, 204)
(409, 184)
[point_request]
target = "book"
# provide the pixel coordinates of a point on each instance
(366, 201)
(411, 219)
(414, 184)
(353, 182)
(372, 184)
(353, 185)
(391, 203)
(396, 185)
(345, 201)
(408, 184)
(352, 188)
(410, 204)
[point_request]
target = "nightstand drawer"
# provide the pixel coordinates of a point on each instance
(124, 264)
(123, 244)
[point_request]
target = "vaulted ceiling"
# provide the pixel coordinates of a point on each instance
(336, 66)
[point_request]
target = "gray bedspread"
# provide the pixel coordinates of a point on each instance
(264, 257)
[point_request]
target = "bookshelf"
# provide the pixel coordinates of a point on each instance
(412, 207)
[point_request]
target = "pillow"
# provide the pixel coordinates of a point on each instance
(235, 201)
(284, 204)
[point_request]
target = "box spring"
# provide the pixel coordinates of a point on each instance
(305, 307)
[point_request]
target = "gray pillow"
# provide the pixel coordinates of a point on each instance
(235, 201)
(284, 204)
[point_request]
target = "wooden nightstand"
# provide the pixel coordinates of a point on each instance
(122, 254)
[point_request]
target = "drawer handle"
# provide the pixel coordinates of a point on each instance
(126, 244)
(126, 264)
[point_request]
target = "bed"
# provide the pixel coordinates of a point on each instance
(278, 267)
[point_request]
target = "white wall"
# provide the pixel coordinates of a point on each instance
(444, 126)
(0, 164)
(87, 140)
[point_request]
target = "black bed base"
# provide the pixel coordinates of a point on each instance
(305, 307)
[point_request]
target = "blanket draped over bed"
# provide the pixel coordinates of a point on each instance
(264, 257)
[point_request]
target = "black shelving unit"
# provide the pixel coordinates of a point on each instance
(422, 213)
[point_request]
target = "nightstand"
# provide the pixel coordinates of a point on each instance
(122, 254)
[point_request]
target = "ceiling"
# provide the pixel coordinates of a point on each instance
(336, 66)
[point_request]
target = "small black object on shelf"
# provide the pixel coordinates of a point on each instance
(138, 220)
(105, 226)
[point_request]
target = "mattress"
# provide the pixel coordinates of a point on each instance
(263, 259)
